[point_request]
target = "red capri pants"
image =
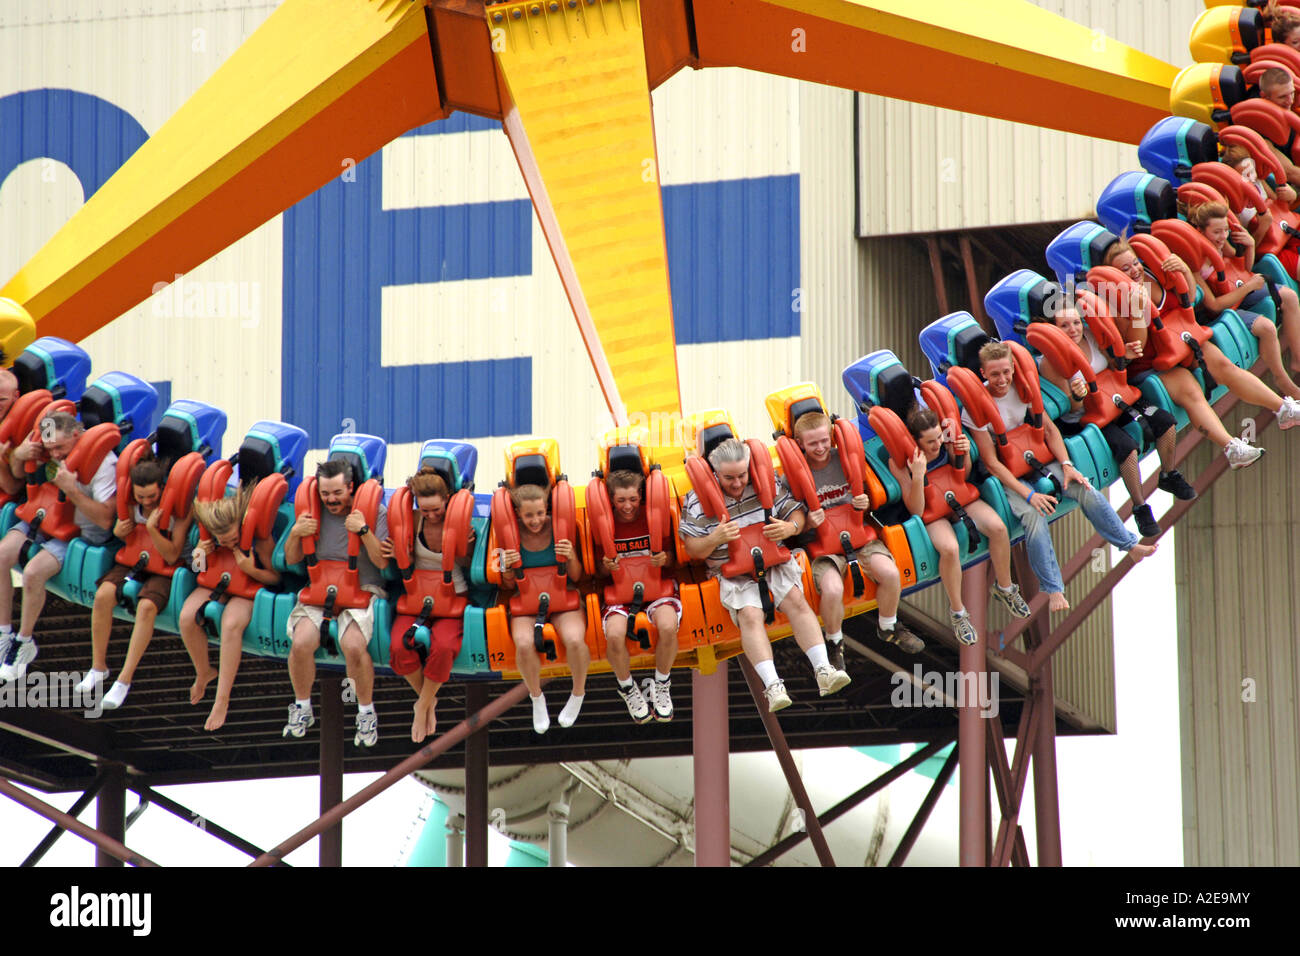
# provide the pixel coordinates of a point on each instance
(445, 636)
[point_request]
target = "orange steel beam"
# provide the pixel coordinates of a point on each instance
(1098, 87)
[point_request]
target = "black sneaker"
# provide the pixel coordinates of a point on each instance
(835, 654)
(1146, 521)
(902, 638)
(1174, 483)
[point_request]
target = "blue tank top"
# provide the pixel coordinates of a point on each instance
(940, 460)
(537, 559)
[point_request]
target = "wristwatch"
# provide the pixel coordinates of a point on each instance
(365, 530)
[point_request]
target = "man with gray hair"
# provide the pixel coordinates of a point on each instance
(705, 537)
(95, 504)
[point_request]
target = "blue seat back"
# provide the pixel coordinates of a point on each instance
(55, 364)
(366, 452)
(188, 426)
(878, 379)
(1077, 249)
(270, 447)
(1020, 298)
(454, 460)
(953, 340)
(128, 402)
(1132, 201)
(1174, 145)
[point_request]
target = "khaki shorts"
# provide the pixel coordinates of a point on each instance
(363, 618)
(837, 561)
(735, 593)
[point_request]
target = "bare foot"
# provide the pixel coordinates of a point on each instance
(432, 727)
(218, 715)
(420, 725)
(1140, 551)
(200, 686)
(1056, 602)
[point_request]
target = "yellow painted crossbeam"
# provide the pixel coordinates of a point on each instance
(1004, 58)
(577, 109)
(321, 84)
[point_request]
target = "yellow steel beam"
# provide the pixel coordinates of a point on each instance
(319, 84)
(577, 110)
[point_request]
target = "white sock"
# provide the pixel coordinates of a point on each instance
(6, 630)
(304, 704)
(569, 715)
(625, 684)
(116, 695)
(960, 612)
(24, 637)
(834, 636)
(92, 678)
(888, 622)
(766, 672)
(365, 708)
(541, 719)
(660, 675)
(817, 655)
(1007, 589)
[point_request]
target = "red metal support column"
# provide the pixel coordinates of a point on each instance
(972, 760)
(923, 812)
(711, 736)
(852, 800)
(110, 811)
(476, 781)
(786, 759)
(57, 831)
(331, 765)
(1047, 806)
(73, 825)
(420, 758)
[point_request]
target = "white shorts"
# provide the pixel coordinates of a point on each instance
(735, 593)
(649, 610)
(363, 618)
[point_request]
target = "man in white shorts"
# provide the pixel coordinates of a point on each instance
(338, 519)
(705, 538)
(95, 515)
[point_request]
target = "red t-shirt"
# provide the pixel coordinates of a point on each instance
(632, 538)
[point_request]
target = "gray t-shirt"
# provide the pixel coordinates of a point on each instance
(332, 544)
(832, 487)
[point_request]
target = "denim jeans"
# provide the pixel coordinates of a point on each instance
(1038, 538)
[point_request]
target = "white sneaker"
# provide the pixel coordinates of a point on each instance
(777, 698)
(300, 720)
(5, 641)
(18, 655)
(660, 695)
(1288, 416)
(829, 680)
(1240, 454)
(116, 695)
(93, 680)
(637, 707)
(367, 729)
(962, 628)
